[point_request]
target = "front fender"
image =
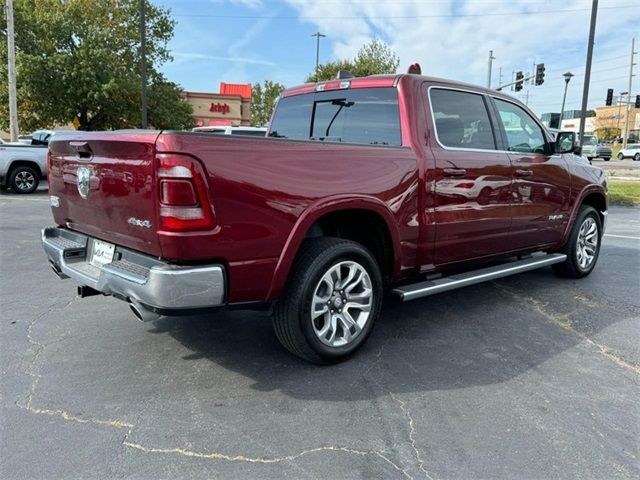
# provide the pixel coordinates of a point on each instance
(312, 214)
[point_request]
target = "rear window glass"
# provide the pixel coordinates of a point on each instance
(366, 116)
(462, 120)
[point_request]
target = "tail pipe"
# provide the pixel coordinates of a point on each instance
(143, 314)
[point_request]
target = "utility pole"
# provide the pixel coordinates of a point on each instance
(143, 63)
(587, 70)
(622, 94)
(491, 59)
(11, 54)
(626, 121)
(317, 35)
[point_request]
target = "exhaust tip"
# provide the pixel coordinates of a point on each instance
(142, 313)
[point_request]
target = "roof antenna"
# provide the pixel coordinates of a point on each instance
(415, 69)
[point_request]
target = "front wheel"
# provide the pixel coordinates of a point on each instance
(332, 300)
(620, 156)
(583, 247)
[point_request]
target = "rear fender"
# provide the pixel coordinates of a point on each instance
(314, 212)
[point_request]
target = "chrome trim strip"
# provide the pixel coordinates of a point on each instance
(423, 289)
(479, 150)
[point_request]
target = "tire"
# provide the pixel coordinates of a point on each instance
(606, 159)
(577, 264)
(23, 179)
(299, 331)
(620, 156)
(636, 157)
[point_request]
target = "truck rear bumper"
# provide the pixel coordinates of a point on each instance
(139, 279)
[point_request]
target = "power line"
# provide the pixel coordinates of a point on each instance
(398, 17)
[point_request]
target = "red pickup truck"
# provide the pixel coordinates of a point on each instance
(404, 183)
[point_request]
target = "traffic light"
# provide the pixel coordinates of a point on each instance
(637, 101)
(540, 74)
(519, 82)
(609, 97)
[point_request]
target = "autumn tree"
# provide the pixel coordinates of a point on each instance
(263, 100)
(80, 59)
(373, 58)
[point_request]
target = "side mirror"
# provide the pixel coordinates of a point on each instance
(565, 142)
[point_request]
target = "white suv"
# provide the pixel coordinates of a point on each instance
(632, 150)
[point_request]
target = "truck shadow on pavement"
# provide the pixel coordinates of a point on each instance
(479, 335)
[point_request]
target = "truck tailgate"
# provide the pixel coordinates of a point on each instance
(105, 186)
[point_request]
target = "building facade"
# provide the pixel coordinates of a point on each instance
(232, 106)
(612, 120)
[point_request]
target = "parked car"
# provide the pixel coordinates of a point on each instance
(593, 148)
(632, 151)
(22, 166)
(237, 130)
(349, 196)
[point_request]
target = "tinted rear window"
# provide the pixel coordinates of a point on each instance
(368, 116)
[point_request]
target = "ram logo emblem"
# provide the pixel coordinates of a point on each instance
(84, 181)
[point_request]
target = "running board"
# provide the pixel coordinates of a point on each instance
(431, 287)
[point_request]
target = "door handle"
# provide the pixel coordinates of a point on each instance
(454, 172)
(524, 173)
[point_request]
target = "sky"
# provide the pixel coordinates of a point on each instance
(248, 41)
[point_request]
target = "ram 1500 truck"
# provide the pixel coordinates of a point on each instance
(401, 183)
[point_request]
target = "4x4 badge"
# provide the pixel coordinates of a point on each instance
(84, 181)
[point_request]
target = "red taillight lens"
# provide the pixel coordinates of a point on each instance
(177, 192)
(184, 199)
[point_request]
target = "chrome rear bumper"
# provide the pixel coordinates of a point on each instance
(134, 277)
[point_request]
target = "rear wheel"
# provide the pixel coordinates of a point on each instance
(606, 159)
(636, 157)
(333, 298)
(583, 247)
(23, 179)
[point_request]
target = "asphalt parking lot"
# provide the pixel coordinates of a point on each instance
(530, 377)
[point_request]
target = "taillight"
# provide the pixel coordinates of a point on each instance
(182, 190)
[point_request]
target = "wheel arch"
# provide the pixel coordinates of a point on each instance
(328, 218)
(594, 196)
(24, 163)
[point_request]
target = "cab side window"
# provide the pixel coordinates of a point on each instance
(523, 132)
(461, 120)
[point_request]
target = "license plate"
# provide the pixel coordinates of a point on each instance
(101, 253)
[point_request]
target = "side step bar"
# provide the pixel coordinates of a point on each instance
(431, 287)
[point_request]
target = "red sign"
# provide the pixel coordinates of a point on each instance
(222, 108)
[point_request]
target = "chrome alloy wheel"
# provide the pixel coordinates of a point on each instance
(342, 303)
(24, 180)
(587, 243)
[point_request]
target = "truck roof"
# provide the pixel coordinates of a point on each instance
(373, 81)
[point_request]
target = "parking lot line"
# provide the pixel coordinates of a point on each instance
(621, 236)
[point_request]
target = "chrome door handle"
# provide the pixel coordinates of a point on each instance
(454, 172)
(524, 173)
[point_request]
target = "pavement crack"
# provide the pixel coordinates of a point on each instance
(260, 460)
(412, 431)
(561, 320)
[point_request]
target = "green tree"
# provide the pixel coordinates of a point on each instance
(80, 59)
(263, 100)
(373, 58)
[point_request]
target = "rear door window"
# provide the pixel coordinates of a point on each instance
(365, 116)
(462, 119)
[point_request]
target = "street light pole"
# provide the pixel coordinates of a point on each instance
(567, 77)
(491, 59)
(317, 35)
(143, 64)
(11, 57)
(587, 70)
